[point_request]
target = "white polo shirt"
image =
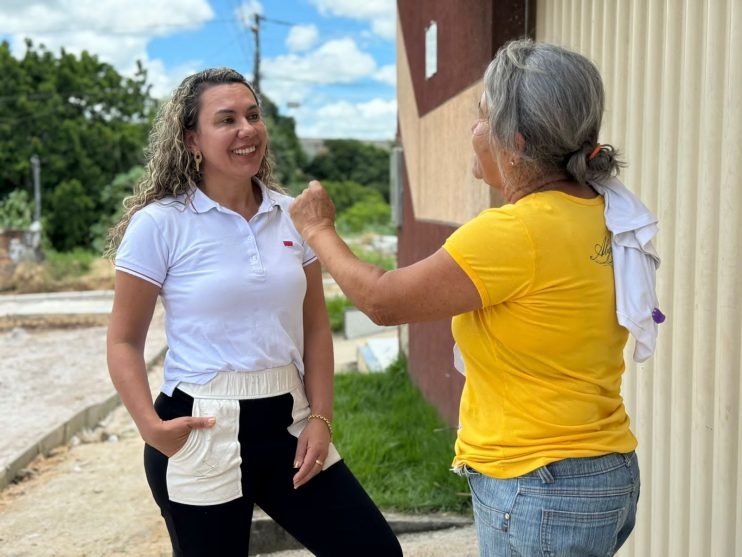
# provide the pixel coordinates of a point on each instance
(233, 290)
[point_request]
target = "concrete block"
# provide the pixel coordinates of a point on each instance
(268, 537)
(378, 354)
(19, 461)
(365, 359)
(410, 524)
(357, 324)
(52, 440)
(4, 478)
(109, 405)
(95, 413)
(75, 424)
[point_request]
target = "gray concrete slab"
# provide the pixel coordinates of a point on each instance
(92, 499)
(55, 303)
(378, 353)
(358, 324)
(55, 382)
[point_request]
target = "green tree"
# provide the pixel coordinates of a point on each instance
(346, 193)
(16, 210)
(85, 121)
(111, 200)
(287, 151)
(71, 214)
(349, 159)
(372, 213)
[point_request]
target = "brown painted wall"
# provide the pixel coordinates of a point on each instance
(464, 45)
(469, 34)
(430, 357)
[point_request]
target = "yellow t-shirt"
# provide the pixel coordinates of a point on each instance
(544, 355)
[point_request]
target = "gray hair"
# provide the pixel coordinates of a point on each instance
(554, 98)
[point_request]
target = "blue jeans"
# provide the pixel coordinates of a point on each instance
(573, 507)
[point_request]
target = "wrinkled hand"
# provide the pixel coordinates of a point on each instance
(169, 436)
(313, 446)
(312, 210)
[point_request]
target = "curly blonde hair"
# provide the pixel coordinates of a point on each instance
(170, 167)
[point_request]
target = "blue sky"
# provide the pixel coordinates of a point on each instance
(328, 63)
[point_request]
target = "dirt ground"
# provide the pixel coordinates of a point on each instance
(31, 277)
(87, 499)
(91, 499)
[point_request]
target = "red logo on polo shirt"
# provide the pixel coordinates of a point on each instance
(288, 243)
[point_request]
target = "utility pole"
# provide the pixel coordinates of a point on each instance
(256, 70)
(36, 167)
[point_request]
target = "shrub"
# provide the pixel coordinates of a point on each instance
(16, 210)
(372, 213)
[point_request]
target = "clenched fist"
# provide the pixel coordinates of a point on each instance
(312, 211)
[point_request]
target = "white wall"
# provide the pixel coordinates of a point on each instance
(673, 75)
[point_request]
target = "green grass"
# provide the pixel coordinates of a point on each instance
(336, 309)
(75, 263)
(375, 257)
(395, 443)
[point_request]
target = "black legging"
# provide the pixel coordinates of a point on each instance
(330, 515)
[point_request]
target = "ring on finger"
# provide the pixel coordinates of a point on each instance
(319, 462)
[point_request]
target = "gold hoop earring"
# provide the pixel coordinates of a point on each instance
(197, 158)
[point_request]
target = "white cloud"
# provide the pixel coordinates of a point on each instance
(387, 74)
(110, 17)
(117, 31)
(368, 9)
(294, 78)
(165, 80)
(386, 28)
(381, 13)
(374, 119)
(247, 10)
(338, 61)
(302, 37)
(283, 92)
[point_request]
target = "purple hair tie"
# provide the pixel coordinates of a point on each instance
(658, 316)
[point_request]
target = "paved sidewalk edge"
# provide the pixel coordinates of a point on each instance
(267, 537)
(88, 417)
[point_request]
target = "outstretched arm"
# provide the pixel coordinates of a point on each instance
(434, 288)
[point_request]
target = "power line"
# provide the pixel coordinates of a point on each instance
(238, 28)
(277, 21)
(255, 28)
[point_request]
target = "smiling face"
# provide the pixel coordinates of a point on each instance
(230, 134)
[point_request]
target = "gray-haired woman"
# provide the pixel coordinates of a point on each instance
(544, 437)
(245, 409)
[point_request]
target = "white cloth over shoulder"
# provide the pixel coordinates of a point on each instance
(635, 264)
(458, 360)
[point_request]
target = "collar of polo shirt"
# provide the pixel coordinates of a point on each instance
(201, 203)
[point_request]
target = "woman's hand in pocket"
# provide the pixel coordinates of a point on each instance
(169, 436)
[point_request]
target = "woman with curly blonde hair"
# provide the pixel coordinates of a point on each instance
(244, 415)
(171, 168)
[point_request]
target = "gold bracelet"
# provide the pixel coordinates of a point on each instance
(321, 417)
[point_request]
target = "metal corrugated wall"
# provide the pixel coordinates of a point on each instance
(673, 76)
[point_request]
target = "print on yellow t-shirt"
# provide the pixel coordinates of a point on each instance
(544, 356)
